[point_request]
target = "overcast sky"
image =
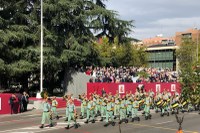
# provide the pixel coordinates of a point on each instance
(153, 17)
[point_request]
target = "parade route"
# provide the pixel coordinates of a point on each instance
(29, 122)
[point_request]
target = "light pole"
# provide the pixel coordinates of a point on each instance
(197, 45)
(41, 49)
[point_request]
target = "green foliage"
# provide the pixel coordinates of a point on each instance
(70, 28)
(189, 70)
(115, 54)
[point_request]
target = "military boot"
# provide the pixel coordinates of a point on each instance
(42, 126)
(86, 121)
(67, 127)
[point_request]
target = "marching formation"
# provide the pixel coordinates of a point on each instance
(121, 107)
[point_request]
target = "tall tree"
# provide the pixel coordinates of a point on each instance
(18, 37)
(189, 71)
(70, 29)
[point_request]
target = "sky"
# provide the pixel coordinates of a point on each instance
(156, 17)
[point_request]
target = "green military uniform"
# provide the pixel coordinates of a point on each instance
(165, 104)
(46, 114)
(103, 108)
(129, 106)
(83, 107)
(90, 111)
(54, 107)
(147, 107)
(123, 109)
(109, 112)
(175, 105)
(71, 114)
(157, 99)
(98, 106)
(135, 106)
(117, 106)
(67, 109)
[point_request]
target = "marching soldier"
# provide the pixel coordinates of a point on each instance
(175, 104)
(54, 107)
(117, 106)
(83, 105)
(66, 98)
(123, 107)
(147, 107)
(103, 107)
(98, 106)
(129, 105)
(165, 104)
(151, 94)
(46, 113)
(109, 112)
(90, 110)
(135, 106)
(71, 114)
(157, 101)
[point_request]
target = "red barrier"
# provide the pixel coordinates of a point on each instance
(61, 102)
(123, 88)
(5, 106)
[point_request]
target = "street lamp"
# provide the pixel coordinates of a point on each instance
(197, 45)
(41, 50)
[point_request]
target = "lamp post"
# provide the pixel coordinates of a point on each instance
(197, 45)
(41, 49)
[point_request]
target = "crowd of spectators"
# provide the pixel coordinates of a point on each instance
(131, 74)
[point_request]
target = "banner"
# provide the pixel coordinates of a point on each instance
(121, 89)
(124, 88)
(173, 87)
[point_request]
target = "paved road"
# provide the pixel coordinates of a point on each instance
(29, 122)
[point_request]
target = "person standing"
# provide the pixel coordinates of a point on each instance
(25, 101)
(11, 102)
(46, 113)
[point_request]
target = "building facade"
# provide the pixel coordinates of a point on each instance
(193, 34)
(162, 56)
(162, 50)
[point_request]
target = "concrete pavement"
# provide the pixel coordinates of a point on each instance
(29, 122)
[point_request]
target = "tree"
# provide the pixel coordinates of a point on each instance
(18, 37)
(123, 54)
(70, 29)
(189, 70)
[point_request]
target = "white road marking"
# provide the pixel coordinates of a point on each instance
(13, 130)
(18, 120)
(22, 132)
(32, 115)
(163, 122)
(36, 129)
